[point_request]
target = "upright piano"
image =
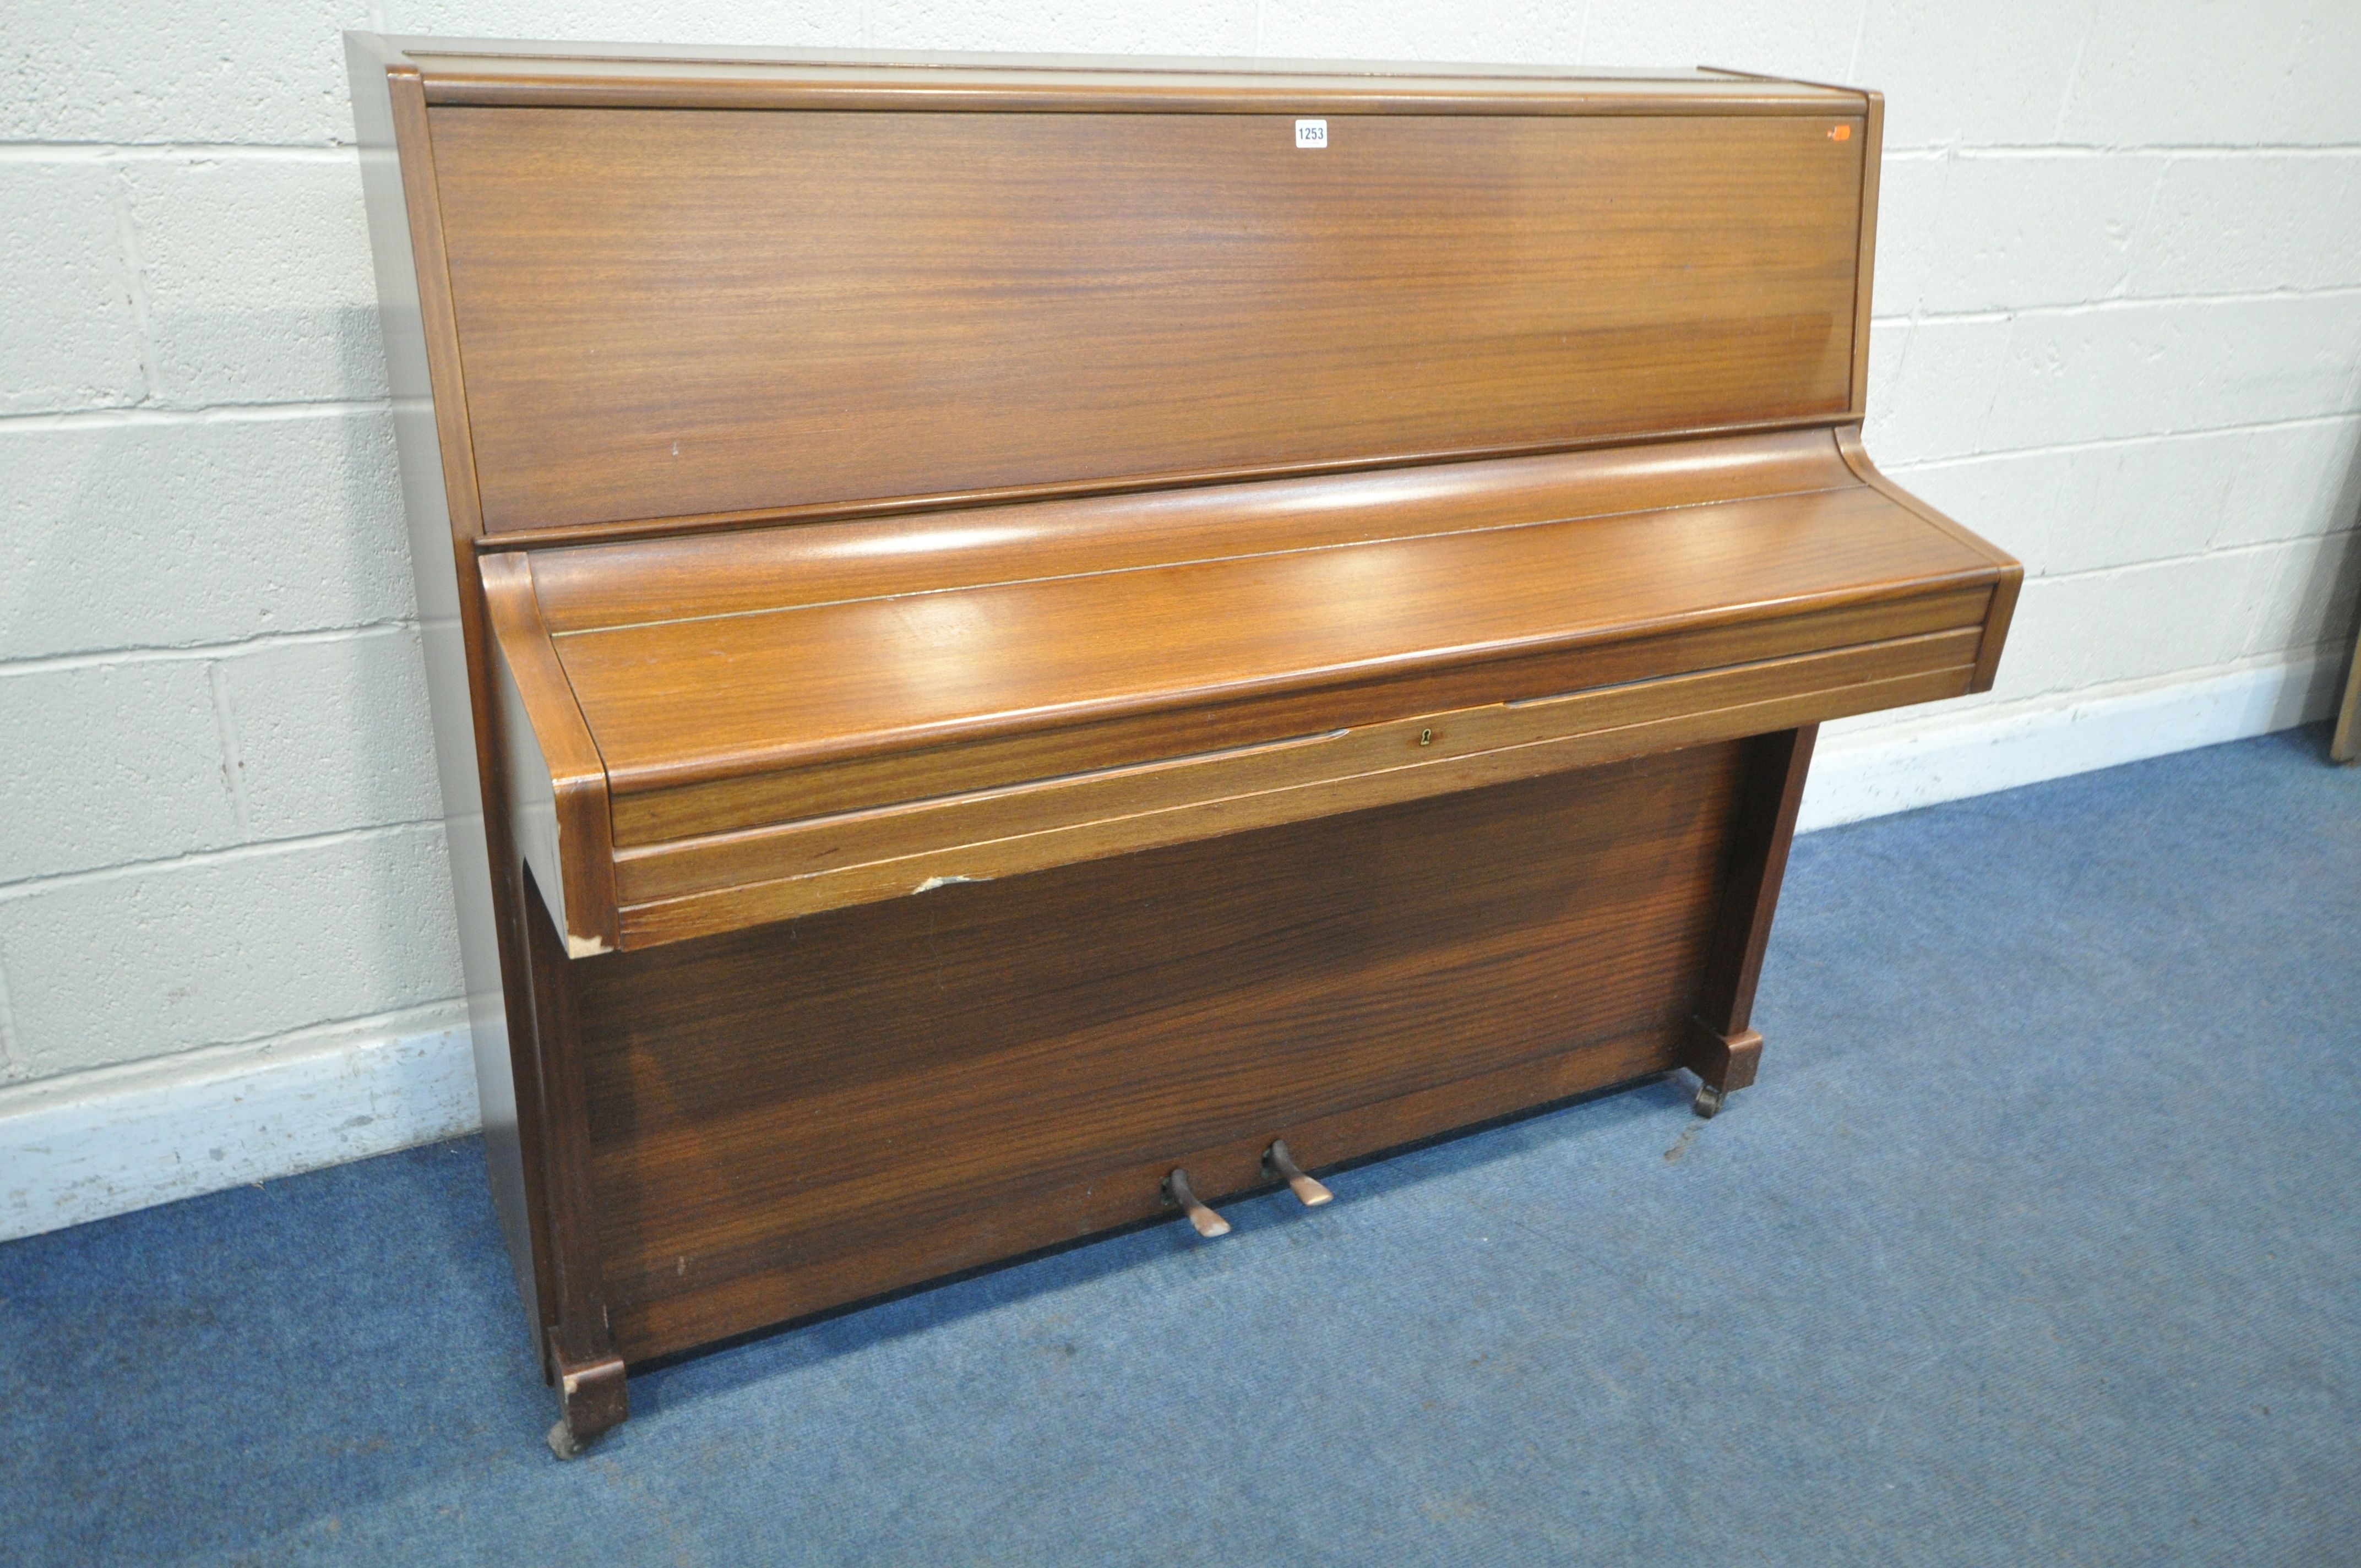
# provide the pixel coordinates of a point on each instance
(1021, 646)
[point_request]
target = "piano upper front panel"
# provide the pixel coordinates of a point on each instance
(685, 312)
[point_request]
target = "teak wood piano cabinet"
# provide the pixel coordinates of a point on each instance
(1016, 642)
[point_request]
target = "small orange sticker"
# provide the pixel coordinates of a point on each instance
(1840, 133)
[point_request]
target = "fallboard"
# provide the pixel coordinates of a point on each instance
(763, 723)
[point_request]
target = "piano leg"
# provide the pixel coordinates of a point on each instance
(1724, 1065)
(591, 1397)
(1723, 1052)
(579, 1350)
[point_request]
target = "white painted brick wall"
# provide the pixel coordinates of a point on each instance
(66, 312)
(1993, 73)
(236, 946)
(327, 733)
(161, 531)
(2216, 72)
(258, 288)
(2118, 330)
(2244, 224)
(110, 762)
(260, 73)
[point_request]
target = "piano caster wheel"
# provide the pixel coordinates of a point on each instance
(1709, 1100)
(563, 1443)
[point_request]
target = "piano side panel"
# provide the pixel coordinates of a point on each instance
(687, 313)
(792, 1118)
(2011, 578)
(451, 632)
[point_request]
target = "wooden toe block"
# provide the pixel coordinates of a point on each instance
(1726, 1061)
(592, 1396)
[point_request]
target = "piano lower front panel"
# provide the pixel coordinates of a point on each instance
(791, 1118)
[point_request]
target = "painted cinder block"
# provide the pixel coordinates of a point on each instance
(1785, 37)
(1935, 398)
(823, 24)
(2291, 481)
(2217, 73)
(2312, 597)
(2190, 614)
(258, 280)
(1889, 344)
(110, 968)
(2252, 223)
(332, 733)
(69, 336)
(1408, 29)
(1992, 74)
(268, 71)
(2146, 368)
(2017, 232)
(105, 764)
(1222, 27)
(2088, 509)
(165, 533)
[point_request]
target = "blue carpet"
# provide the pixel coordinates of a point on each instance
(2038, 1243)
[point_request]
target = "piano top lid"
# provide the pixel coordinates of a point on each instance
(516, 72)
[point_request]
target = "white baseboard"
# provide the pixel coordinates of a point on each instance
(94, 1143)
(1870, 773)
(105, 1143)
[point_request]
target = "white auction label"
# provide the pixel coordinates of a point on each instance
(1311, 133)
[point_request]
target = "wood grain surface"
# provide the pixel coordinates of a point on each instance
(782, 1120)
(703, 886)
(677, 702)
(1171, 737)
(671, 312)
(2009, 574)
(921, 708)
(716, 571)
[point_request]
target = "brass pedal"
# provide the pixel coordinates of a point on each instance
(1176, 1190)
(1279, 1162)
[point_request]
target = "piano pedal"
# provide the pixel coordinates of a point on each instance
(1709, 1100)
(1279, 1163)
(1176, 1190)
